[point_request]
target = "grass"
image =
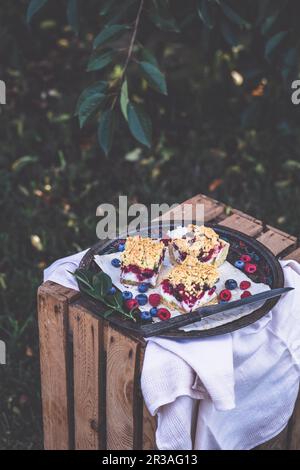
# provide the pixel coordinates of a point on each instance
(52, 178)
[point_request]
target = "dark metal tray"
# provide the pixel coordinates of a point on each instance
(268, 271)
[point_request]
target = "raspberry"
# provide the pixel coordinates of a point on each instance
(163, 313)
(154, 300)
(250, 268)
(245, 285)
(245, 294)
(225, 295)
(245, 258)
(132, 303)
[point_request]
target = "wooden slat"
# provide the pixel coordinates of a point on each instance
(277, 242)
(295, 255)
(149, 421)
(247, 225)
(122, 397)
(86, 331)
(212, 208)
(277, 443)
(293, 441)
(149, 429)
(53, 304)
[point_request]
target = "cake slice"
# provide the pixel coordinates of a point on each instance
(190, 285)
(141, 260)
(201, 242)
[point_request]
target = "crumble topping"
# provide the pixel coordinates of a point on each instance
(143, 252)
(191, 273)
(197, 239)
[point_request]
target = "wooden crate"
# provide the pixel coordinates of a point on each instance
(90, 371)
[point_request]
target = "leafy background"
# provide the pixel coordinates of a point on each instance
(226, 128)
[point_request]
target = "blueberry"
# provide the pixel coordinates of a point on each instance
(231, 284)
(142, 299)
(239, 264)
(121, 247)
(255, 257)
(153, 311)
(145, 315)
(127, 295)
(116, 263)
(112, 290)
(143, 287)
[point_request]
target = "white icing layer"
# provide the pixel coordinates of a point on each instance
(186, 307)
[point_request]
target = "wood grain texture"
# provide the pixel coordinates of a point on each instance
(86, 365)
(277, 242)
(295, 255)
(293, 436)
(247, 225)
(122, 395)
(149, 429)
(54, 360)
(149, 422)
(278, 442)
(212, 209)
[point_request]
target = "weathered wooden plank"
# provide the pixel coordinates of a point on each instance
(212, 209)
(149, 421)
(149, 429)
(121, 391)
(86, 331)
(54, 359)
(277, 242)
(295, 255)
(278, 442)
(247, 225)
(293, 437)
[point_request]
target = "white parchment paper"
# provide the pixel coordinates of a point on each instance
(227, 271)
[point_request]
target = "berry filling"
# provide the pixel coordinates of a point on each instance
(142, 274)
(204, 257)
(180, 294)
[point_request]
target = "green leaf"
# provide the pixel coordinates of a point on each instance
(98, 62)
(204, 13)
(102, 283)
(84, 276)
(154, 77)
(106, 7)
(229, 33)
(88, 106)
(267, 25)
(121, 11)
(23, 161)
(106, 130)
(107, 313)
(109, 33)
(118, 298)
(273, 43)
(149, 57)
(124, 99)
(97, 88)
(233, 16)
(72, 15)
(139, 123)
(161, 16)
(33, 7)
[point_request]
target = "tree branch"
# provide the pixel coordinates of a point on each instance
(130, 50)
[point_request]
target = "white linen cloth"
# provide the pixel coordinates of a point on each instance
(245, 383)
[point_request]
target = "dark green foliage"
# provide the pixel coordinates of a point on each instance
(259, 38)
(236, 139)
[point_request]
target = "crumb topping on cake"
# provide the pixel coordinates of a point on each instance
(191, 273)
(198, 239)
(142, 252)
